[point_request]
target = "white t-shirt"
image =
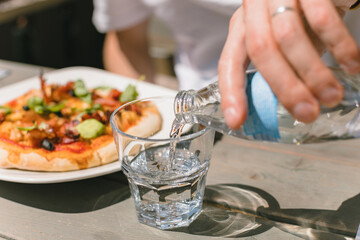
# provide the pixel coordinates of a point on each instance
(199, 29)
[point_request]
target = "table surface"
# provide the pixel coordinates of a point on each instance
(254, 191)
(11, 9)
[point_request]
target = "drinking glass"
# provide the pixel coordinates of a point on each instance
(166, 175)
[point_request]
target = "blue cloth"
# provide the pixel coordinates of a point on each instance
(261, 122)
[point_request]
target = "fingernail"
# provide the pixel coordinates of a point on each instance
(230, 117)
(330, 97)
(351, 66)
(305, 112)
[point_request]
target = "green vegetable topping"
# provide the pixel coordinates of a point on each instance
(35, 101)
(38, 105)
(129, 94)
(55, 108)
(80, 88)
(81, 92)
(105, 88)
(40, 109)
(96, 106)
(90, 128)
(87, 98)
(5, 110)
(28, 128)
(90, 110)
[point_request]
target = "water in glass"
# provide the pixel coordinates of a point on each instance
(168, 198)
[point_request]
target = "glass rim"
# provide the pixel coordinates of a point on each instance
(169, 139)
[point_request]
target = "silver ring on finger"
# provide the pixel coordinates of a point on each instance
(282, 9)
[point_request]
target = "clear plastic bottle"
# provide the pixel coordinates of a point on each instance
(268, 120)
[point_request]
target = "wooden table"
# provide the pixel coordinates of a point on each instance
(281, 191)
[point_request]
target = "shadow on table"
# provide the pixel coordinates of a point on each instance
(70, 197)
(235, 211)
(230, 210)
(318, 223)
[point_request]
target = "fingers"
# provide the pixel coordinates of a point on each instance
(267, 56)
(232, 66)
(283, 51)
(327, 24)
(299, 51)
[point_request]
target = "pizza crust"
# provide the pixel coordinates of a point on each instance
(149, 124)
(33, 161)
(107, 154)
(4, 163)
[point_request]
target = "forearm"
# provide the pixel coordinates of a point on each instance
(122, 57)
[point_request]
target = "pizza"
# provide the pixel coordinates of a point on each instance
(65, 127)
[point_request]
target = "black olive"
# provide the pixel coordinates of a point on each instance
(26, 108)
(47, 145)
(59, 114)
(71, 93)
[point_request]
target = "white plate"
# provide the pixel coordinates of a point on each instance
(92, 78)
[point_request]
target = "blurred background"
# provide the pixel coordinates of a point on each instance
(60, 33)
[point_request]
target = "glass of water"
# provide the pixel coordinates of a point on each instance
(166, 174)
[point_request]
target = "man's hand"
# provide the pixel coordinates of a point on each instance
(279, 37)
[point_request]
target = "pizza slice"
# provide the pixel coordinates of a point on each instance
(66, 127)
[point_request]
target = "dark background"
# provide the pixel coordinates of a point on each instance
(60, 36)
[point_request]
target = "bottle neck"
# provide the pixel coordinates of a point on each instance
(184, 105)
(189, 102)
